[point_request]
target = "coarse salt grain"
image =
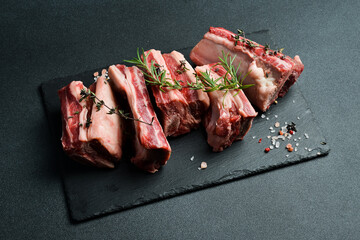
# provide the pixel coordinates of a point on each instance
(297, 144)
(298, 118)
(272, 131)
(309, 149)
(306, 135)
(295, 149)
(275, 116)
(267, 118)
(318, 153)
(287, 155)
(271, 147)
(293, 101)
(262, 115)
(271, 128)
(305, 148)
(277, 145)
(192, 158)
(254, 137)
(268, 136)
(203, 165)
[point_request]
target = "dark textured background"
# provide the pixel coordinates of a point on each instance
(315, 200)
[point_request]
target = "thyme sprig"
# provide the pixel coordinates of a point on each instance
(183, 67)
(88, 94)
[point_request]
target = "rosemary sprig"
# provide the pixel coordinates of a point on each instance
(153, 74)
(230, 81)
(85, 94)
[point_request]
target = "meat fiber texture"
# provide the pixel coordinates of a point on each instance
(90, 136)
(272, 72)
(152, 149)
(230, 115)
(180, 110)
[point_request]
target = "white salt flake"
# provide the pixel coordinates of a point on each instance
(318, 153)
(285, 123)
(192, 158)
(306, 135)
(297, 144)
(295, 149)
(309, 149)
(299, 138)
(262, 115)
(277, 145)
(298, 118)
(267, 118)
(287, 155)
(281, 137)
(271, 128)
(271, 147)
(305, 148)
(272, 131)
(276, 116)
(293, 101)
(268, 136)
(295, 139)
(254, 137)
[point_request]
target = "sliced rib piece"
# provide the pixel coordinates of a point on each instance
(272, 72)
(86, 142)
(105, 133)
(198, 101)
(230, 115)
(152, 149)
(175, 114)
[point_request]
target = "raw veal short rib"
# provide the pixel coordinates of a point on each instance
(180, 110)
(89, 136)
(272, 72)
(230, 115)
(152, 150)
(198, 101)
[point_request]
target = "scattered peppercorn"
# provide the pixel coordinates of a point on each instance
(292, 127)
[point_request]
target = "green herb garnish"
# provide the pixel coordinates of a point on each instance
(89, 94)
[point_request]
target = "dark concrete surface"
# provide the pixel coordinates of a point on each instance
(314, 200)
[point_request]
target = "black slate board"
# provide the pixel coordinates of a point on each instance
(94, 192)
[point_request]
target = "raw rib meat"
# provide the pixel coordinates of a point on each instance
(197, 100)
(180, 111)
(230, 115)
(272, 73)
(90, 143)
(152, 150)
